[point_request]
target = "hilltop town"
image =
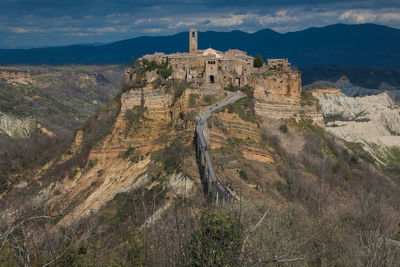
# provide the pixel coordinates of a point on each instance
(216, 69)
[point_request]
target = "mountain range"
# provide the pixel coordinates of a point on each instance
(362, 45)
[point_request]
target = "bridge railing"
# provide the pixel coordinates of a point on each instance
(214, 187)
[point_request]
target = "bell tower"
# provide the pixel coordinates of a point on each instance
(193, 41)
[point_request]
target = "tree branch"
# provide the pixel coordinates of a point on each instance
(252, 230)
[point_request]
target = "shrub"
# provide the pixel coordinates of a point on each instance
(134, 117)
(192, 100)
(126, 154)
(243, 175)
(283, 128)
(165, 72)
(307, 99)
(218, 241)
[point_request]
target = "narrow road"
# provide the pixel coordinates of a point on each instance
(200, 127)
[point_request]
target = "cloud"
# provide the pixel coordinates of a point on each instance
(384, 16)
(26, 23)
(231, 20)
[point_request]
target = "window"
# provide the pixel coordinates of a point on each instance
(193, 34)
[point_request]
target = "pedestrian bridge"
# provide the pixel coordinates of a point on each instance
(214, 189)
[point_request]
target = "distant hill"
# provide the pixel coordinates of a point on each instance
(359, 45)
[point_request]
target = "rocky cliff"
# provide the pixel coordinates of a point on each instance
(278, 95)
(149, 120)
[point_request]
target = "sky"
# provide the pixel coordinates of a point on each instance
(42, 23)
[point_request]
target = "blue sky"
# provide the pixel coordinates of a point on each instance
(38, 23)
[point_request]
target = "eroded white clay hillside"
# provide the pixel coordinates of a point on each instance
(13, 127)
(373, 121)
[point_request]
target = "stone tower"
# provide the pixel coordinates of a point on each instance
(193, 41)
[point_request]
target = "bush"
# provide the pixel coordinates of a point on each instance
(243, 175)
(218, 241)
(283, 128)
(165, 72)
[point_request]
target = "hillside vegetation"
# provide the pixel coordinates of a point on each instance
(128, 192)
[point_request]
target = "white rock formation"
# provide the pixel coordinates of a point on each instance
(14, 127)
(368, 119)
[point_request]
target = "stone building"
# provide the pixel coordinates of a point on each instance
(217, 69)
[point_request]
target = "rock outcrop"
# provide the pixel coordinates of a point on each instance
(277, 94)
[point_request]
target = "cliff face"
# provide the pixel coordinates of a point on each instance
(246, 136)
(163, 116)
(277, 86)
(278, 95)
(122, 161)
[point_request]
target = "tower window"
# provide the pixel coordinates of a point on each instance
(193, 34)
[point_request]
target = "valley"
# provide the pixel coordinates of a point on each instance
(314, 173)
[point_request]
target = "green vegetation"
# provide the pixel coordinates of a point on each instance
(92, 163)
(360, 152)
(230, 147)
(341, 117)
(177, 89)
(165, 72)
(192, 99)
(131, 154)
(258, 61)
(147, 65)
(243, 175)
(307, 99)
(233, 88)
(172, 156)
(134, 117)
(242, 108)
(218, 241)
(209, 99)
(392, 132)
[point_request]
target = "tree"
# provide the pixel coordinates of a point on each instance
(258, 62)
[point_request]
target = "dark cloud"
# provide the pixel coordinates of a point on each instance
(27, 23)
